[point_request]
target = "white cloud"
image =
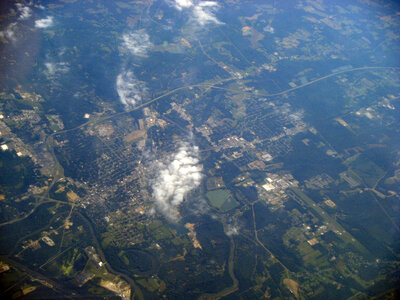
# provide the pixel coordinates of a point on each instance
(24, 11)
(179, 175)
(201, 12)
(232, 230)
(179, 4)
(208, 3)
(9, 32)
(137, 42)
(53, 68)
(129, 89)
(44, 23)
(296, 116)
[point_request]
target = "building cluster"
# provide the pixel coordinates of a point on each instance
(273, 190)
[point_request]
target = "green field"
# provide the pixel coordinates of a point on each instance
(368, 171)
(222, 200)
(346, 237)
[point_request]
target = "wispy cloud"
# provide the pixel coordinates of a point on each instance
(201, 12)
(53, 69)
(204, 16)
(24, 11)
(232, 230)
(130, 90)
(44, 23)
(177, 176)
(137, 43)
(9, 32)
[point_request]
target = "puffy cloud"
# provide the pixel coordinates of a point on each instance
(9, 32)
(202, 12)
(44, 23)
(176, 177)
(137, 43)
(129, 89)
(179, 4)
(24, 11)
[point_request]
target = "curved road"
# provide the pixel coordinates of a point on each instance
(59, 170)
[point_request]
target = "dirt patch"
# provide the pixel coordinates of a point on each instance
(135, 135)
(292, 285)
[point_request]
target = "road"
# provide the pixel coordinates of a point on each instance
(58, 173)
(310, 82)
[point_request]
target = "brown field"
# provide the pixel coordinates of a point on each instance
(135, 135)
